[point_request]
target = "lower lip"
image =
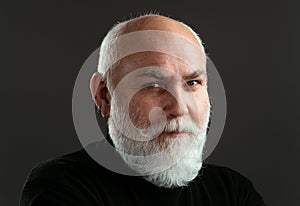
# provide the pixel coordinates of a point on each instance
(175, 134)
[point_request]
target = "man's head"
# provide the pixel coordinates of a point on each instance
(151, 85)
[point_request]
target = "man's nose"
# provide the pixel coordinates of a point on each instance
(175, 103)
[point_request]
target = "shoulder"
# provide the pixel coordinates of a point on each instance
(58, 167)
(222, 172)
(67, 175)
(225, 176)
(232, 182)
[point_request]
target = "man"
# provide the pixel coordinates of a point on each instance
(151, 86)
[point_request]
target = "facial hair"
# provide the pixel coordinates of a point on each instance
(164, 161)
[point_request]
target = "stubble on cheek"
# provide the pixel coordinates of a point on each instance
(139, 112)
(200, 109)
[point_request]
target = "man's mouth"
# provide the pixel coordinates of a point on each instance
(175, 133)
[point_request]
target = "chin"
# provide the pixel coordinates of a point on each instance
(178, 175)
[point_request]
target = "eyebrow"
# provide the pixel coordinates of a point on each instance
(152, 73)
(158, 75)
(195, 74)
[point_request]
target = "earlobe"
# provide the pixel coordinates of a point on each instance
(100, 94)
(104, 100)
(105, 109)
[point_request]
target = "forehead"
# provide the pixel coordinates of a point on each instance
(165, 64)
(149, 41)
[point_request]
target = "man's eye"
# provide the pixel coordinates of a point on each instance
(192, 83)
(152, 85)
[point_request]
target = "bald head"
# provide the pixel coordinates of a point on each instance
(135, 34)
(162, 23)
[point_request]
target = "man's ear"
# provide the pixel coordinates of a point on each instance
(100, 94)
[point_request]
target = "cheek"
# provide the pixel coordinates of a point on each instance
(200, 108)
(139, 108)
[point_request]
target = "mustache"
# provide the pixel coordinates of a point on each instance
(174, 125)
(181, 126)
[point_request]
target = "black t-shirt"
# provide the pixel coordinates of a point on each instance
(77, 180)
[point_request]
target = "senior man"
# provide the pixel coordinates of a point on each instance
(151, 86)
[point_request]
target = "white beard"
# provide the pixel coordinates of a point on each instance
(167, 162)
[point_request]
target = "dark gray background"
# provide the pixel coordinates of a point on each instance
(252, 43)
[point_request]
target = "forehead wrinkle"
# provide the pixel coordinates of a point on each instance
(149, 58)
